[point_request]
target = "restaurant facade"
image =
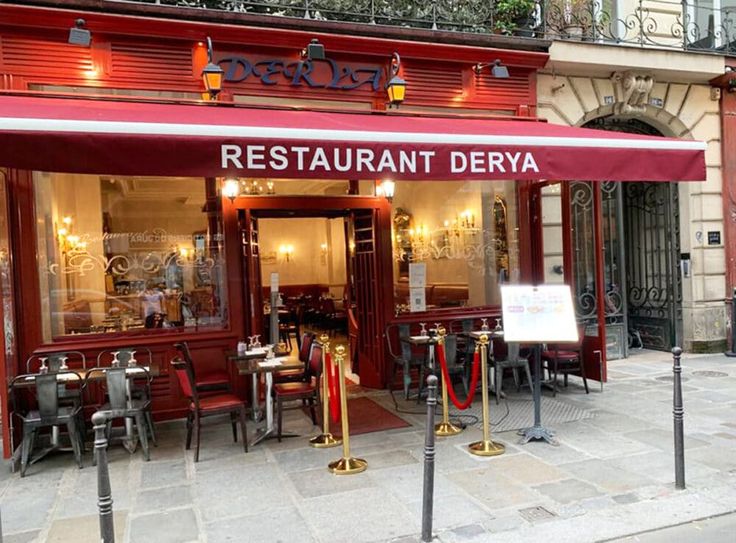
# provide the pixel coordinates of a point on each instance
(127, 186)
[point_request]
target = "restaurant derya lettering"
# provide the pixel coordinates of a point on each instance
(299, 167)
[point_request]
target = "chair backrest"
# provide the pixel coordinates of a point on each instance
(405, 332)
(47, 395)
(512, 351)
(306, 345)
(314, 368)
(451, 349)
(467, 325)
(186, 381)
(54, 360)
(186, 356)
(143, 355)
(116, 380)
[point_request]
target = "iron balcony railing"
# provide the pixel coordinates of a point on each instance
(702, 25)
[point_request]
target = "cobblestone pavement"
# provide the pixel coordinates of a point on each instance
(611, 476)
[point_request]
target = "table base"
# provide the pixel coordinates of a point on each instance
(537, 433)
(268, 433)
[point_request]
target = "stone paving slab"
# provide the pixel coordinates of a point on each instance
(611, 475)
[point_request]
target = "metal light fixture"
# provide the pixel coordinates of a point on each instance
(386, 189)
(314, 51)
(395, 86)
(212, 74)
(498, 70)
(78, 35)
(287, 251)
(230, 189)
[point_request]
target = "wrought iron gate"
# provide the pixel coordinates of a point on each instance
(653, 281)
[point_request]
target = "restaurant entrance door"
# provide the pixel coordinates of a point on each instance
(287, 234)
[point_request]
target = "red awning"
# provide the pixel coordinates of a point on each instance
(133, 138)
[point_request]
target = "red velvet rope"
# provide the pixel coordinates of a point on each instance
(334, 386)
(446, 376)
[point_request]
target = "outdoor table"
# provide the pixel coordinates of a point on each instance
(255, 363)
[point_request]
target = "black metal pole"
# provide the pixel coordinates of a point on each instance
(732, 352)
(678, 412)
(537, 385)
(428, 495)
(104, 492)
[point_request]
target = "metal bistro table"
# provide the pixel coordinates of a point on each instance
(254, 364)
(428, 341)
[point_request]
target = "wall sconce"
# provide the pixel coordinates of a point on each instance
(212, 74)
(314, 51)
(386, 189)
(286, 251)
(78, 35)
(395, 86)
(498, 70)
(270, 188)
(230, 189)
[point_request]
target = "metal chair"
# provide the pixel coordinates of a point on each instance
(455, 365)
(56, 362)
(513, 361)
(49, 413)
(217, 404)
(122, 404)
(407, 359)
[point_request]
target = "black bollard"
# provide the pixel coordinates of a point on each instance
(104, 492)
(428, 495)
(678, 413)
(732, 352)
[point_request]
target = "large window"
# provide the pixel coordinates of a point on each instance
(463, 235)
(119, 254)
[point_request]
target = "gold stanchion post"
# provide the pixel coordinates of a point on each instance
(325, 439)
(486, 447)
(444, 428)
(347, 465)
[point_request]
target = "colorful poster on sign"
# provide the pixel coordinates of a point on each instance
(538, 314)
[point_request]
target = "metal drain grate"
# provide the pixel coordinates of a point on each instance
(536, 514)
(710, 373)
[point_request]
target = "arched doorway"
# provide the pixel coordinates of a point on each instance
(641, 252)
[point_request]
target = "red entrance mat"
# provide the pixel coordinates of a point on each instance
(367, 416)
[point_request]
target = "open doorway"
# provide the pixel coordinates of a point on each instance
(308, 257)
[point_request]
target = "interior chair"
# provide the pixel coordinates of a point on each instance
(566, 358)
(213, 381)
(306, 391)
(48, 413)
(298, 374)
(513, 361)
(405, 359)
(121, 403)
(217, 404)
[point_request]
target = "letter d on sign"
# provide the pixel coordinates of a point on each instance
(456, 160)
(230, 153)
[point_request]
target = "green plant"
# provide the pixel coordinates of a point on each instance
(508, 15)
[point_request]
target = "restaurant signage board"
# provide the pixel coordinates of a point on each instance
(538, 314)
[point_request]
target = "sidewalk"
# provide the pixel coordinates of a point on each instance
(611, 477)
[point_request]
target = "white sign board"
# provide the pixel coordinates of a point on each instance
(538, 314)
(274, 281)
(417, 275)
(417, 299)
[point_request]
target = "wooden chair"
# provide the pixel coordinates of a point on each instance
(307, 390)
(217, 404)
(566, 358)
(298, 374)
(205, 382)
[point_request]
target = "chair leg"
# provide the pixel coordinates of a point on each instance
(554, 381)
(407, 380)
(280, 407)
(421, 384)
(234, 424)
(243, 427)
(141, 426)
(565, 379)
(198, 429)
(498, 385)
(313, 411)
(515, 372)
(26, 450)
(582, 374)
(149, 423)
(71, 428)
(189, 431)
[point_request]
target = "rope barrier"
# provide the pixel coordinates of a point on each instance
(473, 378)
(334, 384)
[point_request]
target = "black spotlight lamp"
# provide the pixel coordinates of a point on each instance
(212, 74)
(78, 35)
(395, 86)
(314, 51)
(498, 70)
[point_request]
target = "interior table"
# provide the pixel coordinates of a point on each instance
(254, 364)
